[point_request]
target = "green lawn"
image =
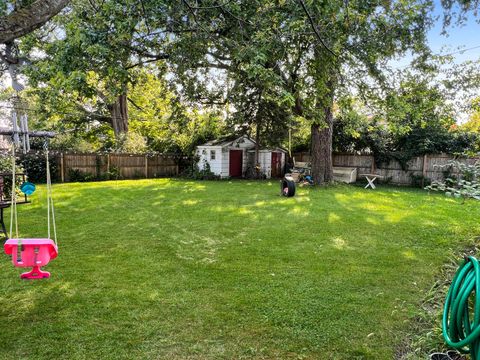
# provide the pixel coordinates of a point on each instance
(171, 269)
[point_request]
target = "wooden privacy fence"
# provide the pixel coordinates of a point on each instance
(426, 167)
(126, 166)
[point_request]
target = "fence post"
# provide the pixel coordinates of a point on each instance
(424, 169)
(146, 166)
(62, 170)
(97, 166)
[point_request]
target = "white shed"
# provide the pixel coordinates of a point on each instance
(272, 161)
(227, 157)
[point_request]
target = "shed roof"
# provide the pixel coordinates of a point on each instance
(270, 149)
(226, 140)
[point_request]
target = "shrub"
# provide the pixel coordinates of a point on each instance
(35, 166)
(203, 173)
(464, 186)
(113, 173)
(6, 168)
(132, 143)
(419, 181)
(76, 175)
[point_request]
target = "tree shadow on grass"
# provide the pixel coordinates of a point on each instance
(313, 274)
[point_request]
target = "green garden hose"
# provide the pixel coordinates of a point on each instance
(463, 297)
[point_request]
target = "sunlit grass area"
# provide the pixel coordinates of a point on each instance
(172, 269)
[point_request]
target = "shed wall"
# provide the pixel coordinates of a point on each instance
(204, 153)
(265, 161)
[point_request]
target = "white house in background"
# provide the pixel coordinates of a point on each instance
(230, 157)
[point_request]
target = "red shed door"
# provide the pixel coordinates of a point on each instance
(276, 164)
(236, 160)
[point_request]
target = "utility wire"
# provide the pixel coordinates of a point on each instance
(441, 56)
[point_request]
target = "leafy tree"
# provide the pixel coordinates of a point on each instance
(88, 62)
(158, 121)
(456, 11)
(17, 19)
(165, 123)
(473, 123)
(414, 119)
(302, 52)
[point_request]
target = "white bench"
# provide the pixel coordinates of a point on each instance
(345, 174)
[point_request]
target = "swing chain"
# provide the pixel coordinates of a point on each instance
(50, 206)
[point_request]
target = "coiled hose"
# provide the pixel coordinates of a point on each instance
(461, 329)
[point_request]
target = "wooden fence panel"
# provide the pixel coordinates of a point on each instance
(428, 166)
(162, 166)
(86, 163)
(129, 166)
(132, 166)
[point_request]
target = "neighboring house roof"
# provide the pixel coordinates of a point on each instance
(227, 140)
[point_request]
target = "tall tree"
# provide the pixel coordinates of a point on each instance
(91, 60)
(303, 51)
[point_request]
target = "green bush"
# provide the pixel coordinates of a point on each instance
(419, 181)
(113, 173)
(35, 166)
(76, 175)
(203, 173)
(6, 168)
(465, 185)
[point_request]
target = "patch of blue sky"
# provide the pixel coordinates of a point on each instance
(460, 41)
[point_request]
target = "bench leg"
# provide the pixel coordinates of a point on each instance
(370, 182)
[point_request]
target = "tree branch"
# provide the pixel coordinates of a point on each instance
(315, 29)
(25, 20)
(135, 104)
(153, 59)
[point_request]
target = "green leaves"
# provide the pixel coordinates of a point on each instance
(465, 185)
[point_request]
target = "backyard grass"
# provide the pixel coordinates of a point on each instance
(173, 269)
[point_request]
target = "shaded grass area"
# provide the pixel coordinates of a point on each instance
(175, 269)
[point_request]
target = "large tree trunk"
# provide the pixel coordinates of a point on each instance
(119, 113)
(25, 20)
(327, 140)
(322, 164)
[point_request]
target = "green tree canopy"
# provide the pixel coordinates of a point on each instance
(298, 54)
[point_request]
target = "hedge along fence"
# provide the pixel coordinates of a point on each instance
(75, 167)
(419, 172)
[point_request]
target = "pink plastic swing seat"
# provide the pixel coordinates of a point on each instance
(33, 253)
